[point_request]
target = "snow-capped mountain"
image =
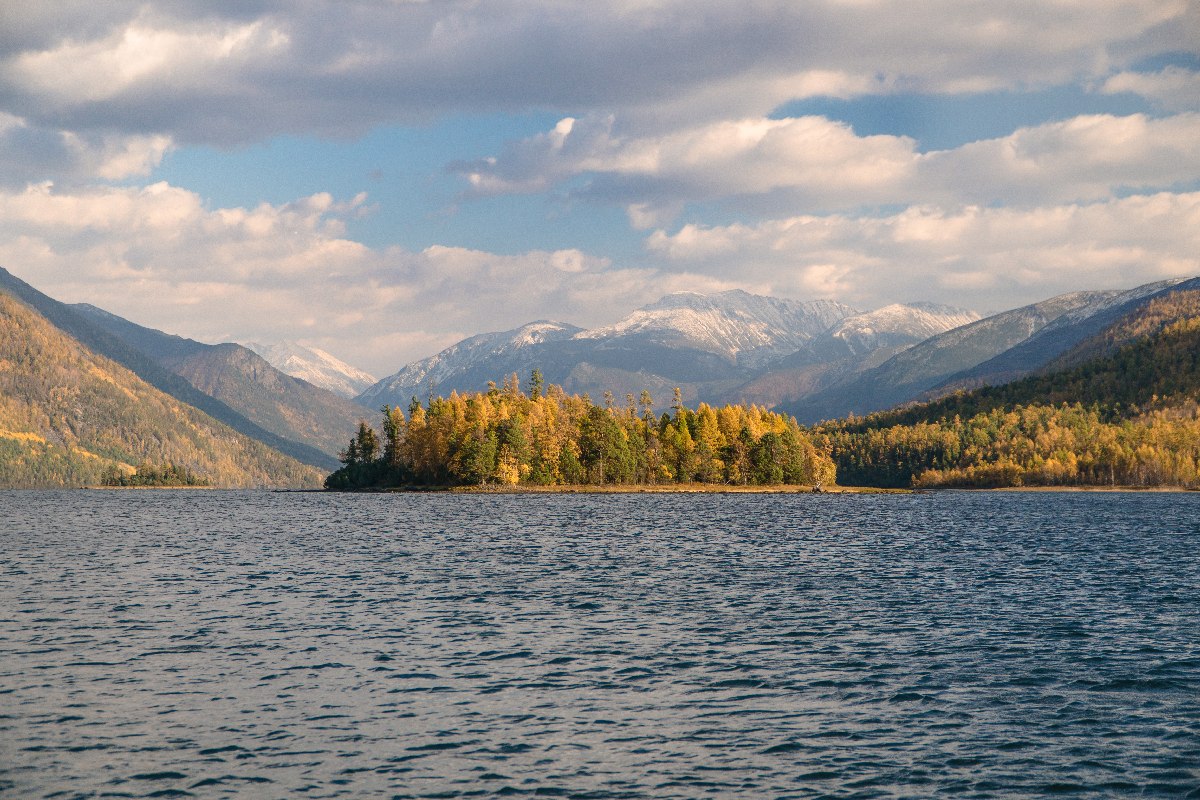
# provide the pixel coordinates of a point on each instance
(704, 344)
(467, 365)
(1059, 335)
(744, 328)
(848, 347)
(994, 350)
(897, 324)
(315, 366)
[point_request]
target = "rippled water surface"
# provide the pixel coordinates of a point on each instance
(259, 645)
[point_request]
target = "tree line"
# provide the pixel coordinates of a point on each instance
(1125, 416)
(147, 474)
(1034, 445)
(545, 437)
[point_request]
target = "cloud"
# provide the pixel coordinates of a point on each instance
(746, 156)
(232, 73)
(33, 155)
(813, 163)
(667, 108)
(1084, 158)
(1173, 88)
(160, 257)
(1008, 256)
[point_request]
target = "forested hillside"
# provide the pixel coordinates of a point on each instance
(1126, 413)
(243, 381)
(546, 438)
(98, 340)
(69, 416)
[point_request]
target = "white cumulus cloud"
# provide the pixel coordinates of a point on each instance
(160, 257)
(993, 258)
(814, 163)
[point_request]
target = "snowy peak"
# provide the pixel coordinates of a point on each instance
(484, 345)
(437, 370)
(737, 325)
(315, 366)
(899, 323)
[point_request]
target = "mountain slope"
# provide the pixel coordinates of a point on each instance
(705, 344)
(852, 345)
(471, 363)
(906, 375)
(1119, 408)
(1057, 337)
(102, 342)
(745, 329)
(1149, 355)
(895, 325)
(315, 366)
(244, 381)
(68, 414)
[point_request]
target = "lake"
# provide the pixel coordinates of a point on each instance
(277, 645)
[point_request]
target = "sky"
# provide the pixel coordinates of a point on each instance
(381, 178)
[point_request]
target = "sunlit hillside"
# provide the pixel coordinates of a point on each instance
(67, 415)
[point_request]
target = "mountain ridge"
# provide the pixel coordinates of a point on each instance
(952, 360)
(708, 345)
(315, 366)
(101, 341)
(232, 374)
(69, 415)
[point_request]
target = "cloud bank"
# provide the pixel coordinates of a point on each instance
(158, 256)
(673, 112)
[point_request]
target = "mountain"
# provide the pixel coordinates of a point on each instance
(241, 379)
(469, 364)
(315, 366)
(705, 344)
(896, 326)
(742, 328)
(68, 415)
(1120, 407)
(1145, 356)
(96, 338)
(946, 361)
(852, 345)
(1057, 337)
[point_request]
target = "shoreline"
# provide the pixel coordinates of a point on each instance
(117, 488)
(1125, 489)
(686, 488)
(666, 488)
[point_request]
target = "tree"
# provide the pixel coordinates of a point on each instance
(349, 456)
(393, 437)
(367, 443)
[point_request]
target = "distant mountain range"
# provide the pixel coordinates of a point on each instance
(716, 348)
(1118, 405)
(814, 360)
(228, 382)
(315, 366)
(817, 360)
(69, 414)
(288, 407)
(994, 350)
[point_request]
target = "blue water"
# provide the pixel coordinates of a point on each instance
(260, 645)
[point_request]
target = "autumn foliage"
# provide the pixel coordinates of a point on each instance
(548, 438)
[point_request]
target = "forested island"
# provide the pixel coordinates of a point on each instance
(507, 437)
(1120, 409)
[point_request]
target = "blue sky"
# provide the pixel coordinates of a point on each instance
(381, 179)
